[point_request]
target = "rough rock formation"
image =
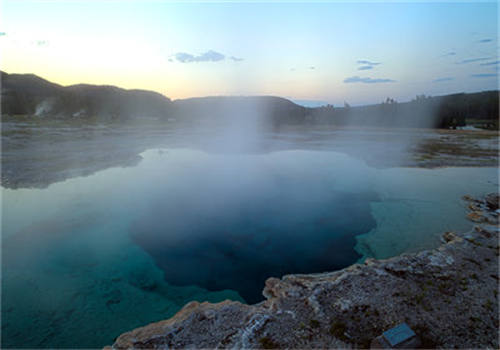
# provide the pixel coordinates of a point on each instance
(448, 296)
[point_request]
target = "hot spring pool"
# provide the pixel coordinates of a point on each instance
(89, 258)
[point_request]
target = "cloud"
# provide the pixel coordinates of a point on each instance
(365, 67)
(451, 53)
(293, 69)
(485, 40)
(368, 62)
(490, 63)
(209, 56)
(471, 60)
(357, 79)
(441, 80)
(484, 75)
(39, 43)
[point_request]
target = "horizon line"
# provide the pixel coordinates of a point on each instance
(291, 99)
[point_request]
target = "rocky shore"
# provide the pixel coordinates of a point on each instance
(448, 296)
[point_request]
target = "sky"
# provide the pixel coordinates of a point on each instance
(359, 52)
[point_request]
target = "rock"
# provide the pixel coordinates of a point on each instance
(469, 198)
(476, 216)
(196, 323)
(449, 237)
(473, 207)
(492, 200)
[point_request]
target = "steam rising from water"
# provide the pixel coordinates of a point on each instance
(383, 134)
(44, 107)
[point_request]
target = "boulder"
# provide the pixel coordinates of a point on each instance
(492, 200)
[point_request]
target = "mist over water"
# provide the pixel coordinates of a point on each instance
(129, 246)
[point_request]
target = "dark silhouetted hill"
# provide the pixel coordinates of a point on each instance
(27, 94)
(481, 108)
(251, 111)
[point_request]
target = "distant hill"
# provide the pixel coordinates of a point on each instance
(27, 94)
(251, 111)
(481, 108)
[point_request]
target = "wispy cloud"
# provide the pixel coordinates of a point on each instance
(209, 56)
(472, 60)
(451, 53)
(485, 40)
(441, 80)
(293, 69)
(483, 75)
(365, 67)
(39, 43)
(370, 63)
(367, 80)
(490, 63)
(236, 59)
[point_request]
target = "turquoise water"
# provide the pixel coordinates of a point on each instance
(89, 258)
